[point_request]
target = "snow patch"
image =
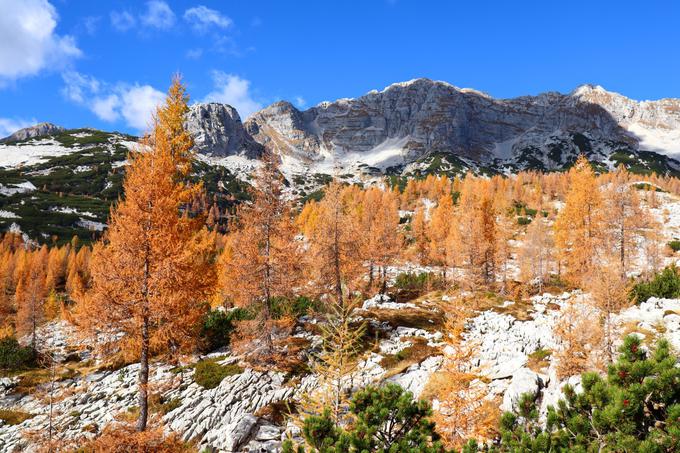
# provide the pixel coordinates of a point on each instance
(17, 188)
(31, 153)
(664, 141)
(91, 225)
(8, 214)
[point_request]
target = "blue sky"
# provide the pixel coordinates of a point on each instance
(105, 64)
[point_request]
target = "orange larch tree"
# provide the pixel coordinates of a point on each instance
(438, 231)
(30, 294)
(624, 217)
(262, 259)
(379, 223)
(334, 248)
(153, 272)
(579, 225)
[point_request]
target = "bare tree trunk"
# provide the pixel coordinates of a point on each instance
(34, 324)
(52, 379)
(144, 377)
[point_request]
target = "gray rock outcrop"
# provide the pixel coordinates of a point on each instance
(217, 130)
(39, 130)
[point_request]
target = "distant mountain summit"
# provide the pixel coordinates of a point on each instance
(218, 131)
(39, 130)
(409, 126)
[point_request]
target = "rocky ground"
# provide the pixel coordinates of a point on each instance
(237, 415)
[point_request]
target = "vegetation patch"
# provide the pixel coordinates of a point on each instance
(15, 357)
(161, 406)
(418, 318)
(218, 326)
(14, 417)
(277, 412)
(208, 373)
(416, 353)
(409, 285)
(665, 284)
(674, 245)
(539, 359)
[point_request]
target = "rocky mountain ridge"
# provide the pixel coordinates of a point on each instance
(412, 122)
(425, 125)
(409, 129)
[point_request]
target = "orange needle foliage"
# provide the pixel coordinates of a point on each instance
(579, 225)
(30, 293)
(262, 258)
(463, 410)
(153, 271)
(335, 242)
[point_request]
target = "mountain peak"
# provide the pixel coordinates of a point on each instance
(37, 130)
(418, 81)
(588, 88)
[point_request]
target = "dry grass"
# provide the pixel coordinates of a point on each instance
(519, 309)
(14, 417)
(277, 412)
(288, 357)
(416, 353)
(418, 318)
(539, 360)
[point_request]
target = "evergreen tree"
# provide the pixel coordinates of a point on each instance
(386, 419)
(635, 408)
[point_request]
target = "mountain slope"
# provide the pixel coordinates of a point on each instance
(59, 183)
(63, 184)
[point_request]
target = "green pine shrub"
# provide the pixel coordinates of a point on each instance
(14, 357)
(635, 408)
(385, 419)
(218, 326)
(208, 373)
(665, 284)
(418, 283)
(674, 245)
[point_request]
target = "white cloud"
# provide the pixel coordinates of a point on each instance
(91, 24)
(134, 104)
(158, 15)
(28, 40)
(300, 101)
(202, 18)
(8, 126)
(106, 108)
(235, 91)
(78, 86)
(138, 103)
(122, 20)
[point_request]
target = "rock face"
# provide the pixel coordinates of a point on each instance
(411, 120)
(39, 130)
(218, 131)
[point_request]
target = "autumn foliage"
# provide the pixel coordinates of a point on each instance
(153, 273)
